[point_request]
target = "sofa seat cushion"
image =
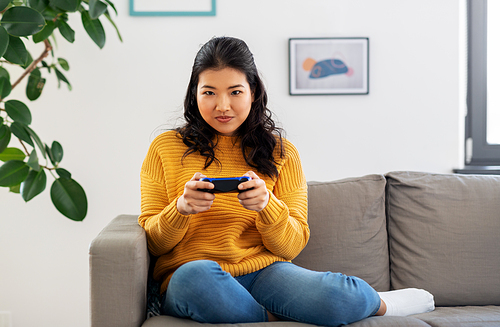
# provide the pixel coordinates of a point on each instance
(445, 235)
(470, 316)
(162, 321)
(409, 321)
(348, 229)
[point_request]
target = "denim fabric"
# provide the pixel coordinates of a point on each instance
(202, 291)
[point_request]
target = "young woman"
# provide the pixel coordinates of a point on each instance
(226, 257)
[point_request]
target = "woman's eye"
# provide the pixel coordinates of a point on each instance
(236, 92)
(209, 93)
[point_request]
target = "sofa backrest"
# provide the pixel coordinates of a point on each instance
(444, 235)
(348, 229)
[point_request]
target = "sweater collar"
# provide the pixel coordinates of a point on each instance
(227, 141)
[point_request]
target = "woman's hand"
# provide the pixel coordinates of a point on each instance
(193, 200)
(256, 195)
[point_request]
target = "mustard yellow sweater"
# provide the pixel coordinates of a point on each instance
(240, 240)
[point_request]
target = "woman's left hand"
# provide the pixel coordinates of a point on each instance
(254, 195)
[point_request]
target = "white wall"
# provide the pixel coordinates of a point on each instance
(124, 93)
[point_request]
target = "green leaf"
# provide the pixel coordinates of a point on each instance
(29, 60)
(4, 41)
(114, 25)
(44, 64)
(38, 5)
(69, 198)
(4, 73)
(16, 189)
(96, 8)
(22, 21)
(57, 152)
(52, 13)
(19, 130)
(4, 4)
(66, 31)
(112, 6)
(18, 111)
(34, 184)
(33, 161)
(5, 135)
(63, 63)
(49, 153)
(37, 140)
(35, 85)
(12, 154)
(94, 29)
(66, 5)
(61, 77)
(45, 32)
(5, 87)
(13, 172)
(16, 51)
(63, 173)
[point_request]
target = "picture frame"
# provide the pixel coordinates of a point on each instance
(172, 7)
(329, 66)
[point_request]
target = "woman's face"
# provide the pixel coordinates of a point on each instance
(224, 99)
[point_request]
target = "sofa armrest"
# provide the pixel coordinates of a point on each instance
(119, 262)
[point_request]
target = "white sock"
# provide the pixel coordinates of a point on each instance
(407, 301)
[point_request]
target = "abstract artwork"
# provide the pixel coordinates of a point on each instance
(328, 66)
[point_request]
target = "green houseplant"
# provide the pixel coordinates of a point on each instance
(25, 166)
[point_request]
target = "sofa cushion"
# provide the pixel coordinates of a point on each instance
(444, 235)
(162, 321)
(348, 229)
(487, 316)
(389, 321)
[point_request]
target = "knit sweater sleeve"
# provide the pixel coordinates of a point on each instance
(283, 222)
(164, 225)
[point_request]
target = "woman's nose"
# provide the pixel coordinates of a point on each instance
(223, 104)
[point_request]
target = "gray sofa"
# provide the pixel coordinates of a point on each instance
(440, 232)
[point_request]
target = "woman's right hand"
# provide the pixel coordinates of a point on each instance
(193, 200)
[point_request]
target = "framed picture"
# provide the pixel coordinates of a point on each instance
(328, 66)
(172, 7)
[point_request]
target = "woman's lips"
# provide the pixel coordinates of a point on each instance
(223, 119)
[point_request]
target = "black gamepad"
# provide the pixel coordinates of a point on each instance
(223, 185)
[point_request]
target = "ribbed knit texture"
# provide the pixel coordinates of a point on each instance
(240, 240)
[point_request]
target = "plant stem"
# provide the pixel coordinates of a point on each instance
(25, 150)
(50, 171)
(33, 65)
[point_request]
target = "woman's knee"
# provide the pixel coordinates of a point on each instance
(192, 276)
(355, 298)
(187, 286)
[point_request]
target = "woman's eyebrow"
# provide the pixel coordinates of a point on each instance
(230, 87)
(236, 86)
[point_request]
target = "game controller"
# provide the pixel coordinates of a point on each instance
(224, 185)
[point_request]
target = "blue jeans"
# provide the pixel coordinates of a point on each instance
(202, 291)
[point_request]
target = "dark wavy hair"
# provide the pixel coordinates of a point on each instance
(259, 134)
